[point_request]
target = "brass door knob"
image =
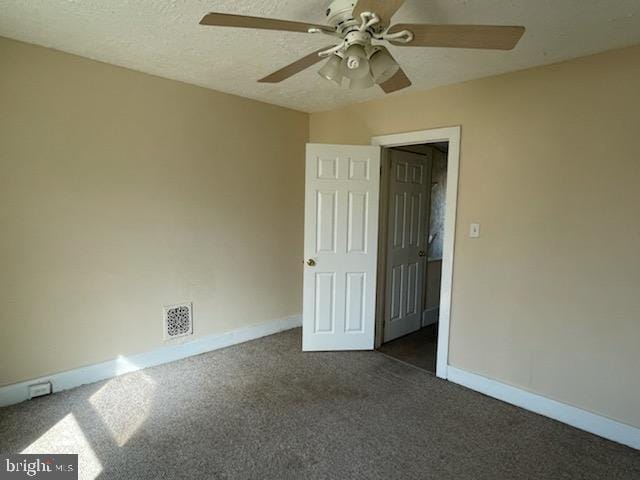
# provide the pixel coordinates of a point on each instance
(311, 262)
(422, 253)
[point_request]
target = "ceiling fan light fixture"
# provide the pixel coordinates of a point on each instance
(356, 27)
(361, 83)
(332, 69)
(356, 63)
(383, 66)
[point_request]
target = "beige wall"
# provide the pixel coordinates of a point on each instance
(548, 299)
(120, 193)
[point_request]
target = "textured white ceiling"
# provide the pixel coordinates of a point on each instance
(162, 37)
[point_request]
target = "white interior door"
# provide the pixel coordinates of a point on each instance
(406, 243)
(340, 247)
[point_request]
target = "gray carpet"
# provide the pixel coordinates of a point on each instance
(264, 410)
(417, 348)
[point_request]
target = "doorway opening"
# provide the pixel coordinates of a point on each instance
(443, 145)
(412, 218)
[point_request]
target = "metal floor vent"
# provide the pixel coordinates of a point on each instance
(178, 321)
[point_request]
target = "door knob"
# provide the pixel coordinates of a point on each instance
(422, 253)
(311, 262)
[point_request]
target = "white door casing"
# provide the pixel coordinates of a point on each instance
(451, 135)
(340, 247)
(406, 243)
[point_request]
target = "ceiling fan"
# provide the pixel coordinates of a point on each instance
(355, 26)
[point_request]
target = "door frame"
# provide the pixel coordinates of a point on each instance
(451, 135)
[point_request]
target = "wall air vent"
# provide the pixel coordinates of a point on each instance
(177, 320)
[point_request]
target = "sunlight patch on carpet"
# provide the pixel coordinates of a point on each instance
(66, 436)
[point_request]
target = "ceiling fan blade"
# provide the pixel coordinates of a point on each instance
(242, 21)
(385, 9)
(397, 82)
(460, 36)
(295, 67)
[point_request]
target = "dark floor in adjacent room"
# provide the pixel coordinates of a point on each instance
(417, 348)
(265, 410)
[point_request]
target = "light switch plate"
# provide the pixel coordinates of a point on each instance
(474, 230)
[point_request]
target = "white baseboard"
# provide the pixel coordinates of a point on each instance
(576, 417)
(430, 316)
(19, 392)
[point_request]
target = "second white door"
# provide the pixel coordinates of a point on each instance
(406, 243)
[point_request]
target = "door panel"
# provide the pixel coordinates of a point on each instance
(414, 216)
(357, 222)
(340, 247)
(413, 270)
(406, 242)
(326, 219)
(397, 278)
(325, 304)
(356, 299)
(398, 219)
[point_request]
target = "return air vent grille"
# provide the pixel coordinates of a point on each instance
(178, 321)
